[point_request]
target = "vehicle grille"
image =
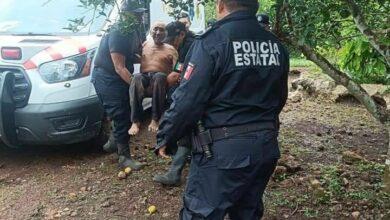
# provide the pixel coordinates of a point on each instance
(21, 86)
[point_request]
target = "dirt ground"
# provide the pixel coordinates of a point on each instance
(333, 159)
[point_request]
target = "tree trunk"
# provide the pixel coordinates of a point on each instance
(376, 110)
(379, 112)
(386, 177)
(366, 30)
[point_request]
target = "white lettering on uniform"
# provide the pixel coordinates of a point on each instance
(264, 56)
(256, 53)
(247, 61)
(253, 55)
(253, 50)
(236, 46)
(263, 50)
(258, 61)
(270, 46)
(272, 60)
(246, 47)
(276, 48)
(238, 59)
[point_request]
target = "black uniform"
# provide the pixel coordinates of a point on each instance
(235, 82)
(183, 51)
(112, 91)
(186, 45)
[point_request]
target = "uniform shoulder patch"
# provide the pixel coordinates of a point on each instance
(189, 71)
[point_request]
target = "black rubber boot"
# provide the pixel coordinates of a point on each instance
(110, 146)
(173, 176)
(125, 158)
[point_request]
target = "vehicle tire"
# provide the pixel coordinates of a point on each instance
(7, 147)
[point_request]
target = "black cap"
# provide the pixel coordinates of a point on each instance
(183, 15)
(263, 18)
(174, 28)
(134, 6)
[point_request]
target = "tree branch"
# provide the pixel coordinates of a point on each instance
(358, 17)
(378, 111)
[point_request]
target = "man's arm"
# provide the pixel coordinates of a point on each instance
(190, 99)
(173, 77)
(120, 66)
(120, 49)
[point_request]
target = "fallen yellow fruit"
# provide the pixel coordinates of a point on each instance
(121, 175)
(152, 209)
(128, 170)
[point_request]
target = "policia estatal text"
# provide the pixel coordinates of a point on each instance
(235, 84)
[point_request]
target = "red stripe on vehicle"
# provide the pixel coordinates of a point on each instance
(54, 54)
(28, 65)
(79, 45)
(82, 49)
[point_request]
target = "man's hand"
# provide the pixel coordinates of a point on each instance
(162, 152)
(173, 79)
(120, 67)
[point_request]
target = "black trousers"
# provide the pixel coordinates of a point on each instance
(233, 182)
(148, 85)
(114, 97)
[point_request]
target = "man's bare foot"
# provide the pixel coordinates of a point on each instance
(153, 127)
(134, 130)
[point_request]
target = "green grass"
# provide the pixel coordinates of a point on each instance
(311, 67)
(377, 168)
(387, 90)
(299, 62)
(310, 213)
(332, 183)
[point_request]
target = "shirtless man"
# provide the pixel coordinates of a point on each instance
(157, 62)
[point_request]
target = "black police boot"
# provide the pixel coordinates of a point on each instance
(110, 146)
(125, 158)
(173, 176)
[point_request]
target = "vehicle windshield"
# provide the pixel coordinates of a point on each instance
(46, 17)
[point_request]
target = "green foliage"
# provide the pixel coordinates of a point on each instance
(210, 10)
(266, 7)
(372, 167)
(126, 23)
(178, 6)
(328, 27)
(333, 184)
(97, 6)
(363, 62)
(300, 62)
(310, 213)
(361, 195)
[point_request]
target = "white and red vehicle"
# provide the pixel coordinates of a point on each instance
(46, 97)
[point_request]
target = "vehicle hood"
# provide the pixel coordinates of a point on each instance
(40, 49)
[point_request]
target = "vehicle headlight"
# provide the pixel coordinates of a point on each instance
(67, 69)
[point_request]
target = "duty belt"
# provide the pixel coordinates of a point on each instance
(215, 134)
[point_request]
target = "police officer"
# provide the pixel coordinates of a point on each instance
(264, 21)
(112, 76)
(173, 176)
(233, 89)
